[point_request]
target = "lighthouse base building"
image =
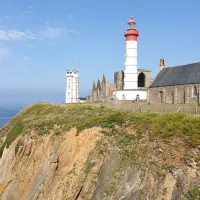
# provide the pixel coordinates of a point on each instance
(103, 90)
(141, 93)
(131, 95)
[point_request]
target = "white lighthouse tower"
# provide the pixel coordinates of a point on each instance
(72, 87)
(130, 89)
(130, 66)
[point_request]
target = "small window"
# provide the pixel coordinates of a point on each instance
(68, 93)
(160, 94)
(68, 86)
(195, 91)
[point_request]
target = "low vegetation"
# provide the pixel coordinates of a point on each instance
(15, 131)
(41, 118)
(193, 194)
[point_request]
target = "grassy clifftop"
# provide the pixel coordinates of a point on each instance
(42, 118)
(120, 155)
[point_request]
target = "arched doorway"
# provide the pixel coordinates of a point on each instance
(141, 80)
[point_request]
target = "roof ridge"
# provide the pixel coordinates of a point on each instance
(178, 75)
(182, 65)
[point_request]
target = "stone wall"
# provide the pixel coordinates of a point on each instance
(119, 80)
(178, 94)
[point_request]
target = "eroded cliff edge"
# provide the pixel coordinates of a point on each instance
(81, 152)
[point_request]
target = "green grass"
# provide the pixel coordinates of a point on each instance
(112, 189)
(197, 159)
(56, 132)
(41, 118)
(15, 131)
(16, 148)
(193, 194)
(88, 166)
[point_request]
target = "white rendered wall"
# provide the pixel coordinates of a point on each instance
(130, 95)
(72, 91)
(130, 66)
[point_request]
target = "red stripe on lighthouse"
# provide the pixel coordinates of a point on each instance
(131, 37)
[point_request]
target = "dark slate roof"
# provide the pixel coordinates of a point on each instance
(178, 75)
(82, 98)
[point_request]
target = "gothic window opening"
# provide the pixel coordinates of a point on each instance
(161, 96)
(123, 97)
(141, 80)
(195, 91)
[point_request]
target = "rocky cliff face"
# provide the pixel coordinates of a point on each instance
(100, 162)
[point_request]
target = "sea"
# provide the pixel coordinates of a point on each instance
(8, 112)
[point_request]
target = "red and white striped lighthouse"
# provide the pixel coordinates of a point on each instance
(130, 67)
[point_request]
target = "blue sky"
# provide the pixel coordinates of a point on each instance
(38, 40)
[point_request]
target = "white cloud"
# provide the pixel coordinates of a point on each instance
(73, 31)
(4, 52)
(51, 32)
(15, 35)
(47, 33)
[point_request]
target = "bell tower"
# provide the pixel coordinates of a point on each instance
(162, 63)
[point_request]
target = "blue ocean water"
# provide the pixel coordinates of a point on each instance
(7, 112)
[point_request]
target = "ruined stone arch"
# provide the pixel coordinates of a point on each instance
(141, 80)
